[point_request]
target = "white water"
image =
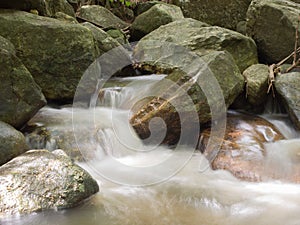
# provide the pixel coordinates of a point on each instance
(196, 195)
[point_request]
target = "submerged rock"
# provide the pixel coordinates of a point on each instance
(56, 53)
(199, 38)
(272, 24)
(172, 103)
(39, 180)
(242, 152)
(12, 143)
(159, 14)
(288, 87)
(20, 96)
(223, 13)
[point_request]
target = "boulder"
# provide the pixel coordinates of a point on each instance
(153, 18)
(256, 77)
(174, 107)
(144, 6)
(288, 87)
(242, 152)
(57, 57)
(223, 13)
(12, 143)
(272, 24)
(43, 7)
(20, 96)
(201, 38)
(101, 17)
(39, 180)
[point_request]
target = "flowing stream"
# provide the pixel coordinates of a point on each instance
(187, 192)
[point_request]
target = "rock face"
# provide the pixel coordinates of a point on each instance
(153, 18)
(164, 105)
(224, 13)
(272, 24)
(288, 87)
(44, 7)
(256, 77)
(243, 152)
(201, 38)
(39, 180)
(57, 57)
(12, 143)
(101, 16)
(20, 96)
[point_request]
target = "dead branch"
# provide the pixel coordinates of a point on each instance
(271, 80)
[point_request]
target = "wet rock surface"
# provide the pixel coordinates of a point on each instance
(243, 152)
(39, 180)
(172, 105)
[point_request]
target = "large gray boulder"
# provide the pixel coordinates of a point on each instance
(100, 16)
(56, 53)
(153, 18)
(175, 108)
(20, 96)
(223, 13)
(272, 24)
(43, 7)
(288, 87)
(12, 143)
(201, 38)
(39, 180)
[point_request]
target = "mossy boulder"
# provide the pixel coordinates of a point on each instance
(288, 87)
(201, 38)
(43, 7)
(56, 53)
(100, 16)
(223, 13)
(256, 77)
(159, 14)
(272, 24)
(12, 143)
(39, 180)
(190, 90)
(20, 96)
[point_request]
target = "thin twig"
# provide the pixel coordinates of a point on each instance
(271, 78)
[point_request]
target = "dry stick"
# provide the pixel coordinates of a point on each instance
(271, 78)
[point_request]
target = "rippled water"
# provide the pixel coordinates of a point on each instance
(194, 195)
